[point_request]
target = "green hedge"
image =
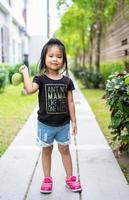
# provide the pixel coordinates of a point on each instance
(89, 78)
(107, 69)
(33, 69)
(12, 70)
(93, 79)
(2, 78)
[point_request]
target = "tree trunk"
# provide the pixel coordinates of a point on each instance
(101, 6)
(98, 45)
(91, 47)
(83, 47)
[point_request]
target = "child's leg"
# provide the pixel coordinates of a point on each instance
(46, 160)
(66, 158)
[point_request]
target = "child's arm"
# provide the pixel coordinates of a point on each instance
(30, 87)
(72, 112)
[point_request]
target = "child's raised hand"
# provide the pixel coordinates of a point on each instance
(23, 69)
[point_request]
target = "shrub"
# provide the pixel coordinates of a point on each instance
(78, 71)
(117, 97)
(12, 70)
(89, 78)
(94, 79)
(107, 69)
(126, 64)
(3, 75)
(33, 68)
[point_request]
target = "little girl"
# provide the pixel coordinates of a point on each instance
(56, 109)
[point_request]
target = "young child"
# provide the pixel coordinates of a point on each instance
(56, 109)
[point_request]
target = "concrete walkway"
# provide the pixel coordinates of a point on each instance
(93, 160)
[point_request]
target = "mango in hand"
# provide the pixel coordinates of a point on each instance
(16, 79)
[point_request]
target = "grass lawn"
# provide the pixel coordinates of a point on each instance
(14, 111)
(101, 111)
(98, 105)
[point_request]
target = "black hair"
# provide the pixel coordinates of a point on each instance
(50, 43)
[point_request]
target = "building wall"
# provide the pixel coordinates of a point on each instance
(2, 17)
(12, 27)
(17, 44)
(2, 21)
(115, 41)
(4, 38)
(35, 46)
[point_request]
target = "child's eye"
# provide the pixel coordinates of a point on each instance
(59, 56)
(51, 56)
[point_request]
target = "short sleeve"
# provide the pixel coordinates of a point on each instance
(37, 79)
(71, 85)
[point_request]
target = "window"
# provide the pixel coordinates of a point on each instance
(14, 51)
(4, 34)
(124, 42)
(2, 45)
(19, 52)
(126, 52)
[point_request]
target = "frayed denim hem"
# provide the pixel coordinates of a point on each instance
(64, 143)
(42, 144)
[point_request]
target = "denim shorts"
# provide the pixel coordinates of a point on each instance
(47, 134)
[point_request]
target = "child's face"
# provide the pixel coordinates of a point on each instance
(54, 58)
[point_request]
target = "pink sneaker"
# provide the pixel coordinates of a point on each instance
(73, 184)
(46, 186)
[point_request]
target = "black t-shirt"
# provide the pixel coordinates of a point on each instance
(53, 105)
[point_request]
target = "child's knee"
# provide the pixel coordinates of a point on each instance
(63, 149)
(47, 150)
